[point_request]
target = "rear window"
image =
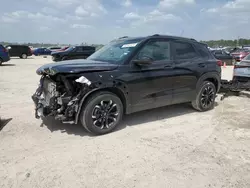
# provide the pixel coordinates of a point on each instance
(184, 50)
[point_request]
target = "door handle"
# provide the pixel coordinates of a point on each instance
(202, 65)
(168, 66)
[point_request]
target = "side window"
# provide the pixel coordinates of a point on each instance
(218, 53)
(155, 51)
(204, 51)
(79, 49)
(184, 51)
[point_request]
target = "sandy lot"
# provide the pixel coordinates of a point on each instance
(168, 147)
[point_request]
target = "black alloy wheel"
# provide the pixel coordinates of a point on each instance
(105, 114)
(102, 112)
(205, 97)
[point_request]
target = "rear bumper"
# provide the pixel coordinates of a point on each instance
(5, 58)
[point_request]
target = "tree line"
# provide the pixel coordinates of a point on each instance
(210, 43)
(233, 43)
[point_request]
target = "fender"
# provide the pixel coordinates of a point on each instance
(209, 75)
(107, 86)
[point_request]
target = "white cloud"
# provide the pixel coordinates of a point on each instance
(91, 8)
(157, 15)
(153, 16)
(167, 4)
(237, 6)
(80, 26)
(62, 3)
(49, 10)
(80, 11)
(44, 28)
(127, 3)
(18, 16)
(132, 16)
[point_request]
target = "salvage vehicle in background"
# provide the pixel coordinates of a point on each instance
(126, 76)
(76, 52)
(223, 56)
(4, 55)
(22, 51)
(239, 54)
(241, 74)
(241, 78)
(41, 51)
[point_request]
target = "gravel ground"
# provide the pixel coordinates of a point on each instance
(168, 147)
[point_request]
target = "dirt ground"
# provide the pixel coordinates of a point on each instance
(168, 147)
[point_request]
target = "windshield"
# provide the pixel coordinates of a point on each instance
(70, 48)
(115, 52)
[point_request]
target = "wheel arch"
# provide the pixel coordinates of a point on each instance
(213, 77)
(116, 91)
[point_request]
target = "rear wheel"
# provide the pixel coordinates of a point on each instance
(102, 113)
(24, 56)
(205, 97)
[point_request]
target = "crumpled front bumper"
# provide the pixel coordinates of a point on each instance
(38, 100)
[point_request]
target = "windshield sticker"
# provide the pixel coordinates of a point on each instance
(129, 45)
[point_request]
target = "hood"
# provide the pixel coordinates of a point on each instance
(75, 66)
(55, 52)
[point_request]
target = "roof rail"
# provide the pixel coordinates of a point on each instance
(123, 37)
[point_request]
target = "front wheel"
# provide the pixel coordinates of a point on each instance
(205, 97)
(102, 113)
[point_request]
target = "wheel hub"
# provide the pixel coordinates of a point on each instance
(105, 114)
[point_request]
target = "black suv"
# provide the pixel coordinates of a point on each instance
(21, 51)
(126, 76)
(76, 52)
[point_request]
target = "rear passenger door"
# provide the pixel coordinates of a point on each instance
(188, 63)
(79, 53)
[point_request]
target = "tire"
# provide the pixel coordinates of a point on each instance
(91, 118)
(1, 61)
(205, 97)
(24, 56)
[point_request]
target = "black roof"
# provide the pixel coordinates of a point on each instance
(158, 36)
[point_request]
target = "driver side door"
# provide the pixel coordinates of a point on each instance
(150, 85)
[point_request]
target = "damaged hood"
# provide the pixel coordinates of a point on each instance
(75, 66)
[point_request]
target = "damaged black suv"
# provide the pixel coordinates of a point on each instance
(126, 76)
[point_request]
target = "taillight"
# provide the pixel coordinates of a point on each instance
(219, 63)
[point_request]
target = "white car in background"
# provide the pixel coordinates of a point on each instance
(242, 69)
(241, 75)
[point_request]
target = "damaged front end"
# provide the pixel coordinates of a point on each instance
(60, 96)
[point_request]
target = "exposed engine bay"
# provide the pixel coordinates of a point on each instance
(60, 96)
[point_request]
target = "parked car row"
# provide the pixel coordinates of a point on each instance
(231, 57)
(57, 53)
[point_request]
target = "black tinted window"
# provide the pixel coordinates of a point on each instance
(79, 49)
(155, 50)
(203, 50)
(88, 48)
(184, 50)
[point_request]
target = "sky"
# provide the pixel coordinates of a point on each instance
(100, 21)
